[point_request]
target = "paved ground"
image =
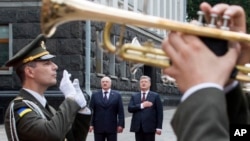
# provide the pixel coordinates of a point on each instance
(167, 134)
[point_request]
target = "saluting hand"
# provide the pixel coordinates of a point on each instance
(66, 85)
(79, 97)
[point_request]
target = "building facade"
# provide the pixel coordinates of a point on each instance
(77, 48)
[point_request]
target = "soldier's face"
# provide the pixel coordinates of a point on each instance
(44, 73)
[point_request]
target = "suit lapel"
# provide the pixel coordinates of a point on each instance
(138, 98)
(101, 97)
(149, 96)
(111, 97)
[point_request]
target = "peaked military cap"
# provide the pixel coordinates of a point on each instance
(35, 50)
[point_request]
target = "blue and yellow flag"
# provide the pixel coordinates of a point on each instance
(22, 111)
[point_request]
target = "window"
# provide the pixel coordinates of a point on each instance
(5, 47)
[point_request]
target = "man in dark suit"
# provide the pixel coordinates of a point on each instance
(147, 110)
(206, 111)
(29, 117)
(108, 113)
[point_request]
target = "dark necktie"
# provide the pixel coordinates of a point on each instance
(105, 96)
(143, 97)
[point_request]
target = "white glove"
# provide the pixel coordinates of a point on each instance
(79, 97)
(66, 85)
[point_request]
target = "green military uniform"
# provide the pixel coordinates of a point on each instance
(26, 119)
(202, 117)
(237, 106)
(208, 113)
(54, 126)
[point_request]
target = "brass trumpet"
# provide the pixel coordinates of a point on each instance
(57, 12)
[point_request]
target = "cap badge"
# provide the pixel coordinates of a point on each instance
(43, 45)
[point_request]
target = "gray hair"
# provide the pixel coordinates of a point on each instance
(145, 77)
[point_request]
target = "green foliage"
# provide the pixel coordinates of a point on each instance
(193, 7)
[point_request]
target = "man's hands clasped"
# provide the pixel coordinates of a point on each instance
(72, 90)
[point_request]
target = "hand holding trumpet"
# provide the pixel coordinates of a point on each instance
(201, 75)
(237, 24)
(184, 49)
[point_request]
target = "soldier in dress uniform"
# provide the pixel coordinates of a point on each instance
(29, 117)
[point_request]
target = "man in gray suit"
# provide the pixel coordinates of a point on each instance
(108, 113)
(29, 117)
(147, 110)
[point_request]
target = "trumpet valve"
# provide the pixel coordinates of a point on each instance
(200, 18)
(213, 20)
(225, 22)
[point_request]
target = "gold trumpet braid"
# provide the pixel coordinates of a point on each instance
(57, 12)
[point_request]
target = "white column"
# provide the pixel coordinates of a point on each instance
(170, 9)
(157, 8)
(115, 3)
(135, 9)
(103, 2)
(165, 7)
(125, 4)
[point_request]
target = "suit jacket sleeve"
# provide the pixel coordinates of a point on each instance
(202, 117)
(159, 108)
(80, 128)
(91, 105)
(237, 106)
(134, 103)
(121, 117)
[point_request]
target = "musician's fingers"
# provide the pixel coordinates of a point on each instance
(169, 50)
(244, 55)
(194, 43)
(237, 18)
(170, 71)
(194, 22)
(230, 58)
(234, 50)
(176, 40)
(164, 71)
(206, 7)
(218, 9)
